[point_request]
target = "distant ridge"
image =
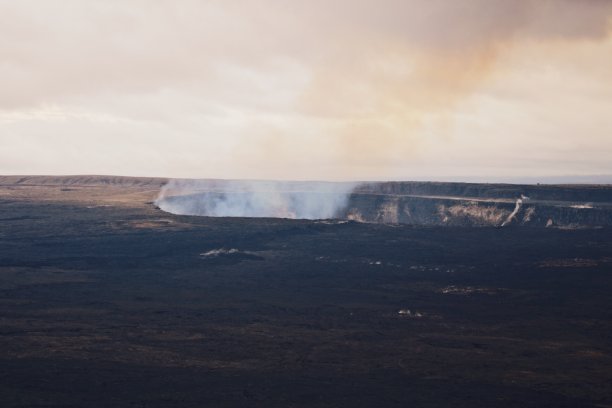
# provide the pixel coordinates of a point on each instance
(562, 192)
(83, 180)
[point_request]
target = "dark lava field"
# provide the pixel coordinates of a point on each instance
(107, 301)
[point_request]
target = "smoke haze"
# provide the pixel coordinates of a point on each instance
(306, 200)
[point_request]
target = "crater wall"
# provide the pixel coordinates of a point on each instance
(432, 204)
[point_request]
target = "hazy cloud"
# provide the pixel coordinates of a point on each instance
(294, 89)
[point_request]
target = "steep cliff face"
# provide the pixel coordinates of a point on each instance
(467, 204)
(470, 212)
(426, 211)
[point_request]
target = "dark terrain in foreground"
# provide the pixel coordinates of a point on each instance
(107, 302)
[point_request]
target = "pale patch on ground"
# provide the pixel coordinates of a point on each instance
(229, 252)
(218, 252)
(331, 222)
(468, 290)
(582, 206)
(410, 314)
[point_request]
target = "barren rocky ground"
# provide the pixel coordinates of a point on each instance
(107, 301)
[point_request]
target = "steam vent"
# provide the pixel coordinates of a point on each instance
(415, 203)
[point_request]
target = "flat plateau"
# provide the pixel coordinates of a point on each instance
(106, 301)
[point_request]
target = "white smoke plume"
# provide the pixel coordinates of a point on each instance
(219, 198)
(517, 208)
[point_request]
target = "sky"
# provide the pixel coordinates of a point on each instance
(316, 90)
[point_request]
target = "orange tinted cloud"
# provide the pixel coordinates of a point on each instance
(359, 88)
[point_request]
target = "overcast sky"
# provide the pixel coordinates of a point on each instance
(294, 89)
